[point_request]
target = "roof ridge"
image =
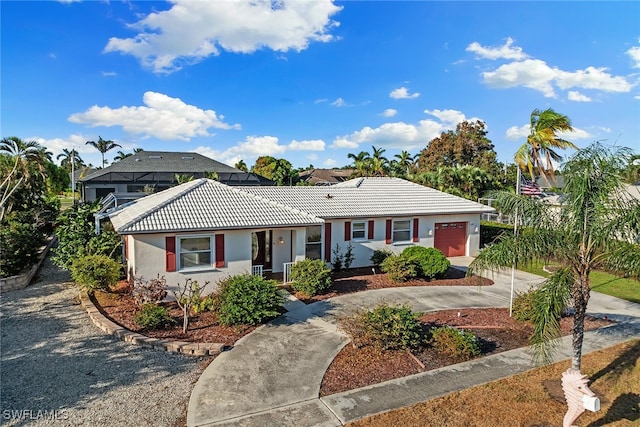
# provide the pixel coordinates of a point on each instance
(240, 189)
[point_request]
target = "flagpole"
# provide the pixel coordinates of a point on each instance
(515, 233)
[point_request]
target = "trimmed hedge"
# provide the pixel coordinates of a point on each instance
(490, 231)
(310, 276)
(248, 299)
(432, 262)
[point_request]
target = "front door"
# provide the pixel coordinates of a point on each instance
(261, 249)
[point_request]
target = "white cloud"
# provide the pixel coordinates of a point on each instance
(403, 135)
(320, 101)
(634, 53)
(574, 95)
(506, 51)
(515, 132)
(162, 117)
(191, 31)
(339, 103)
(403, 93)
(329, 163)
(538, 75)
(531, 73)
(389, 112)
(309, 145)
(109, 73)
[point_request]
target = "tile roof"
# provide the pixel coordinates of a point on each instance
(161, 161)
(204, 204)
(207, 205)
(369, 197)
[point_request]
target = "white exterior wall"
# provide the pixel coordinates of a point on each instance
(90, 189)
(363, 249)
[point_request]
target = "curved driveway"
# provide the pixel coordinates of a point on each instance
(273, 375)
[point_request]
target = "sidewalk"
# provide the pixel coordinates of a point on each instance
(272, 376)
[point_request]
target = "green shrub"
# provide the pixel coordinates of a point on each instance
(19, 244)
(454, 342)
(490, 231)
(523, 305)
(379, 255)
(247, 299)
(310, 276)
(385, 326)
(94, 272)
(75, 228)
(152, 316)
(400, 269)
(432, 263)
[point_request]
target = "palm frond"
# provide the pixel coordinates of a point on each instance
(549, 302)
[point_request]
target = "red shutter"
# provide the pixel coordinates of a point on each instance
(170, 251)
(219, 250)
(416, 222)
(347, 231)
(387, 235)
(370, 231)
(327, 242)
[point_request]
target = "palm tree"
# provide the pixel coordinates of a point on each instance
(543, 138)
(241, 165)
(103, 145)
(67, 156)
(181, 179)
(360, 163)
(23, 154)
(592, 229)
(405, 161)
(121, 156)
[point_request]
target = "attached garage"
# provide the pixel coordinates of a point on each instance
(451, 238)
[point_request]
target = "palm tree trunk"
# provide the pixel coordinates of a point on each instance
(580, 299)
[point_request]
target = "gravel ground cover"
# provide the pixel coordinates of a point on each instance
(57, 368)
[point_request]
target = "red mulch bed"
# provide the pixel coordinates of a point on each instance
(358, 367)
(120, 307)
(355, 367)
(364, 279)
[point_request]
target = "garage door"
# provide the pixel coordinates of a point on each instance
(450, 238)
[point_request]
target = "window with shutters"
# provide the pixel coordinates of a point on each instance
(358, 230)
(195, 252)
(401, 230)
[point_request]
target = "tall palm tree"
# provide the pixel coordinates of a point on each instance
(22, 155)
(241, 165)
(103, 145)
(592, 229)
(67, 156)
(360, 163)
(539, 150)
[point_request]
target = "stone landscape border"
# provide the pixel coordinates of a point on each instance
(110, 327)
(23, 280)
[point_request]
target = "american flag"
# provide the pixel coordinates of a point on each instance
(529, 188)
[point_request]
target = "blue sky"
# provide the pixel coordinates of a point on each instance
(312, 81)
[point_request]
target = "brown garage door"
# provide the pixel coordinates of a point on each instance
(450, 238)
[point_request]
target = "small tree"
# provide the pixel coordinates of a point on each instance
(188, 296)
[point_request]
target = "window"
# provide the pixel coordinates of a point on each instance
(401, 230)
(195, 252)
(358, 230)
(314, 243)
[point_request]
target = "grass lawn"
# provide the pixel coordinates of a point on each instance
(615, 286)
(533, 398)
(606, 283)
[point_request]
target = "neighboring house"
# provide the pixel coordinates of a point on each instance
(205, 230)
(325, 176)
(148, 171)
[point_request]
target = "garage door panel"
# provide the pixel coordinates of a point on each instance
(451, 238)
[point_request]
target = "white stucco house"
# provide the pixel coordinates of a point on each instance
(206, 230)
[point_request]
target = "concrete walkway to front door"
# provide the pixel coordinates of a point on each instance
(272, 376)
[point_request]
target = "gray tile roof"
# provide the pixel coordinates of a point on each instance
(204, 205)
(209, 205)
(161, 161)
(369, 197)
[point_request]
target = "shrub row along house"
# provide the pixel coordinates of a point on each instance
(206, 230)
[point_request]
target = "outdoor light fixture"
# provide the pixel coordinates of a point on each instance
(281, 240)
(430, 232)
